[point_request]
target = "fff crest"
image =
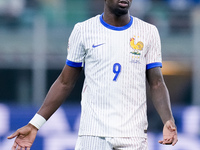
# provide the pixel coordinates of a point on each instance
(137, 47)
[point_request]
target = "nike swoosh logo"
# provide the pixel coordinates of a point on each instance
(94, 46)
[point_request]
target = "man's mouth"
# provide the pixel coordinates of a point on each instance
(123, 3)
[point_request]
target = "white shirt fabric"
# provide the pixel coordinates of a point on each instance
(114, 92)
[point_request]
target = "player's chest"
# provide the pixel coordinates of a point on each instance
(131, 47)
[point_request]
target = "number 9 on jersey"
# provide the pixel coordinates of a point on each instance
(116, 70)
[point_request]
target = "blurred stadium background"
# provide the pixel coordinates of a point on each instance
(33, 49)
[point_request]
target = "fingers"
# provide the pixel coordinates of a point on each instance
(17, 147)
(171, 141)
(161, 142)
(166, 142)
(172, 128)
(175, 140)
(169, 133)
(13, 135)
(14, 146)
(170, 125)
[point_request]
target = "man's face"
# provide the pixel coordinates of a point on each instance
(118, 7)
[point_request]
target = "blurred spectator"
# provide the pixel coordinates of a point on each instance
(181, 4)
(10, 11)
(32, 3)
(11, 8)
(180, 19)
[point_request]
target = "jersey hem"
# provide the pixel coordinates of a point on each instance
(120, 136)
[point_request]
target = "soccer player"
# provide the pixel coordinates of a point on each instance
(119, 53)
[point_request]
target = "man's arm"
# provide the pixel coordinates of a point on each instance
(57, 94)
(59, 91)
(161, 101)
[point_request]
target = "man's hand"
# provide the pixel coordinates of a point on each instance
(169, 133)
(25, 137)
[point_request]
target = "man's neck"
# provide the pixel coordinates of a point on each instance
(117, 21)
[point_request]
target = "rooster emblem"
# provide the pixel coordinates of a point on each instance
(137, 47)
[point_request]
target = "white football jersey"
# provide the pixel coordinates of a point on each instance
(115, 60)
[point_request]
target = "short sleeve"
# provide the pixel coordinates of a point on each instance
(76, 51)
(153, 56)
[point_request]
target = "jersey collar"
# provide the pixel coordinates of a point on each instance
(116, 28)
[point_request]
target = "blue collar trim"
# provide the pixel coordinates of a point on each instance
(116, 28)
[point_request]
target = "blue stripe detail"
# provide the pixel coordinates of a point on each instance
(153, 65)
(116, 28)
(73, 64)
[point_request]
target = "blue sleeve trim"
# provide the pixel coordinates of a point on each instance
(153, 65)
(74, 64)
